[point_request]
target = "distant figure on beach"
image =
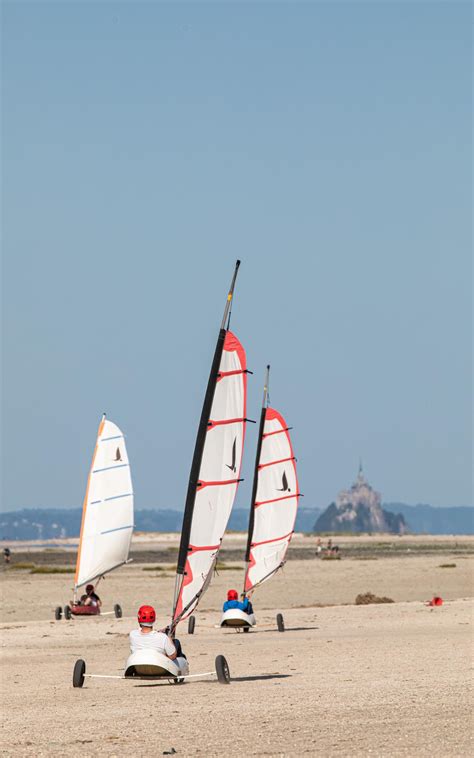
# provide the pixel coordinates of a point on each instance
(91, 597)
(319, 547)
(146, 638)
(7, 554)
(233, 602)
(331, 551)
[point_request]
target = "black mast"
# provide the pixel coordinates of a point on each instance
(201, 437)
(257, 462)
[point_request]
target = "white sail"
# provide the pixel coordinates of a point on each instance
(276, 502)
(107, 515)
(218, 477)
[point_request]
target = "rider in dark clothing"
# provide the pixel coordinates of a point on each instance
(91, 597)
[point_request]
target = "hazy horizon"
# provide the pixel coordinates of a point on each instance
(239, 508)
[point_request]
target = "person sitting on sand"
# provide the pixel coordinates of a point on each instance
(91, 597)
(233, 602)
(146, 638)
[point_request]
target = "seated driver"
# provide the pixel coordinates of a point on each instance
(91, 597)
(233, 602)
(146, 638)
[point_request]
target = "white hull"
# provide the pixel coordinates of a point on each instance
(152, 664)
(237, 618)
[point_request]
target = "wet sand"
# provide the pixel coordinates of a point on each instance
(383, 680)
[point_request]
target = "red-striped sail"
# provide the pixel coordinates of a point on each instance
(215, 471)
(274, 499)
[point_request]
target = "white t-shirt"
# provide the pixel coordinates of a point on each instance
(151, 641)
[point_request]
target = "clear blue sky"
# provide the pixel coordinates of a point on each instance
(146, 147)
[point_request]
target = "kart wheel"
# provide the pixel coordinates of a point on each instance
(246, 628)
(78, 673)
(118, 611)
(67, 612)
(191, 624)
(178, 680)
(280, 622)
(222, 670)
(58, 613)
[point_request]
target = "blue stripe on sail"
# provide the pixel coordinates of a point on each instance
(117, 529)
(94, 502)
(117, 437)
(107, 468)
(116, 497)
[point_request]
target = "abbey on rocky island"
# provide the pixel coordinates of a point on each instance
(359, 509)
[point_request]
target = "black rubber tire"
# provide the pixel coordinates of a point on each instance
(191, 624)
(58, 613)
(78, 673)
(118, 611)
(67, 612)
(246, 628)
(280, 622)
(222, 670)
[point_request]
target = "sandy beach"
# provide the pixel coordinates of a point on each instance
(384, 680)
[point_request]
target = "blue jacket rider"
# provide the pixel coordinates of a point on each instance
(233, 602)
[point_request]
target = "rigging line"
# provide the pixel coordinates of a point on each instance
(264, 578)
(196, 598)
(230, 314)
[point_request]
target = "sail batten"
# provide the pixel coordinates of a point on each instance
(107, 515)
(215, 469)
(275, 497)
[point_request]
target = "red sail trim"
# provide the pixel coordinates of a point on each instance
(224, 374)
(271, 415)
(248, 584)
(273, 463)
(202, 484)
(277, 499)
(275, 539)
(195, 549)
(188, 578)
(278, 431)
(232, 343)
(212, 423)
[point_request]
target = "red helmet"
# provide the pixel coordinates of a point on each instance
(146, 615)
(232, 595)
(90, 588)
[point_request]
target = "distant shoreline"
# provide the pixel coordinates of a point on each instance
(155, 548)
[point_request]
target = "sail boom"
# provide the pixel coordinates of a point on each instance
(264, 578)
(99, 576)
